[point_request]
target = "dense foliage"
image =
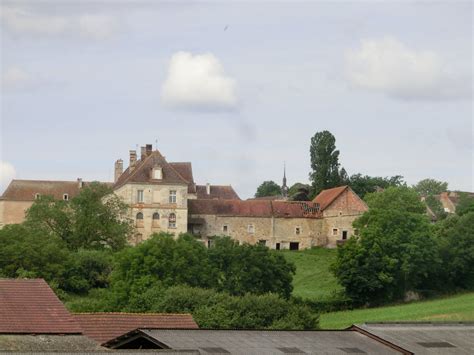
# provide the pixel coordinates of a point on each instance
(465, 204)
(268, 188)
(364, 184)
(325, 172)
(299, 192)
(428, 187)
(95, 219)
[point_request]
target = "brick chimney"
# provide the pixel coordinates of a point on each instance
(143, 153)
(118, 169)
(149, 149)
(80, 184)
(133, 159)
(208, 188)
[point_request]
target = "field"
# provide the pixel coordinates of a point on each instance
(454, 308)
(313, 280)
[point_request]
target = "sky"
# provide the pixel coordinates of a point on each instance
(237, 88)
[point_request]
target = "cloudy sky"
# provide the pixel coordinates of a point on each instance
(237, 89)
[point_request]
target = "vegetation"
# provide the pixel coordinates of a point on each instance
(466, 203)
(428, 187)
(325, 172)
(268, 188)
(299, 192)
(313, 279)
(456, 308)
(364, 184)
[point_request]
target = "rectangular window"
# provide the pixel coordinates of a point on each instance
(139, 196)
(172, 196)
(157, 174)
(251, 229)
(277, 246)
(344, 235)
(225, 228)
(298, 230)
(294, 245)
(334, 231)
(66, 197)
(262, 242)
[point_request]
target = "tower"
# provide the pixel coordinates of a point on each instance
(284, 188)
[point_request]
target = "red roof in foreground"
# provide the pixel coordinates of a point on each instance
(106, 326)
(326, 197)
(31, 307)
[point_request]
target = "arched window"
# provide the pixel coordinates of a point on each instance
(139, 220)
(156, 219)
(65, 197)
(172, 220)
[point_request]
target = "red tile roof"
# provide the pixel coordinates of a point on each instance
(217, 192)
(30, 306)
(253, 208)
(106, 326)
(26, 190)
(142, 172)
(326, 197)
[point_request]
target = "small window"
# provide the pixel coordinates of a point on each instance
(298, 230)
(251, 229)
(37, 196)
(172, 220)
(157, 173)
(156, 219)
(66, 197)
(139, 215)
(139, 196)
(225, 228)
(156, 216)
(277, 246)
(344, 235)
(340, 213)
(262, 242)
(294, 245)
(139, 220)
(334, 231)
(172, 198)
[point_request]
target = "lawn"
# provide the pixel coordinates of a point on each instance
(454, 308)
(313, 280)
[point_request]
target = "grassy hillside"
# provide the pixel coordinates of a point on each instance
(313, 280)
(454, 308)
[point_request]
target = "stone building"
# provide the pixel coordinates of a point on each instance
(163, 197)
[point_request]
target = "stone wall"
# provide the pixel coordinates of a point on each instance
(12, 212)
(276, 233)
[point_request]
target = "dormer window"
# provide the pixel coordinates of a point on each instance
(158, 173)
(65, 197)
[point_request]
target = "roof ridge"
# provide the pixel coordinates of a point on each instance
(132, 313)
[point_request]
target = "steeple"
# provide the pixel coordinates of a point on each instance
(284, 188)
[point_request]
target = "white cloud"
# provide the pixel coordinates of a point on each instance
(198, 82)
(15, 78)
(390, 67)
(7, 173)
(28, 21)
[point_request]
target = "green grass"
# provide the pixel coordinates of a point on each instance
(454, 308)
(313, 280)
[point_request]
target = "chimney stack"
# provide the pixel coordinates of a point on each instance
(208, 188)
(149, 149)
(118, 169)
(143, 153)
(79, 183)
(133, 159)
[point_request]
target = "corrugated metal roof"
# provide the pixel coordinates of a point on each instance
(263, 342)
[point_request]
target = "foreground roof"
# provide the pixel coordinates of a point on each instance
(326, 197)
(30, 306)
(217, 192)
(426, 338)
(106, 326)
(47, 342)
(26, 190)
(258, 342)
(254, 208)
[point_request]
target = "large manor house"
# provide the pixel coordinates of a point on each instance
(163, 197)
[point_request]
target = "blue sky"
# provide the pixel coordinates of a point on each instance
(237, 89)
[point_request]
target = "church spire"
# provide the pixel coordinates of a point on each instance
(284, 188)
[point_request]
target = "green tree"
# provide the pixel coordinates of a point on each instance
(324, 162)
(394, 253)
(456, 238)
(465, 204)
(364, 184)
(428, 187)
(32, 253)
(95, 219)
(436, 207)
(249, 268)
(268, 188)
(299, 192)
